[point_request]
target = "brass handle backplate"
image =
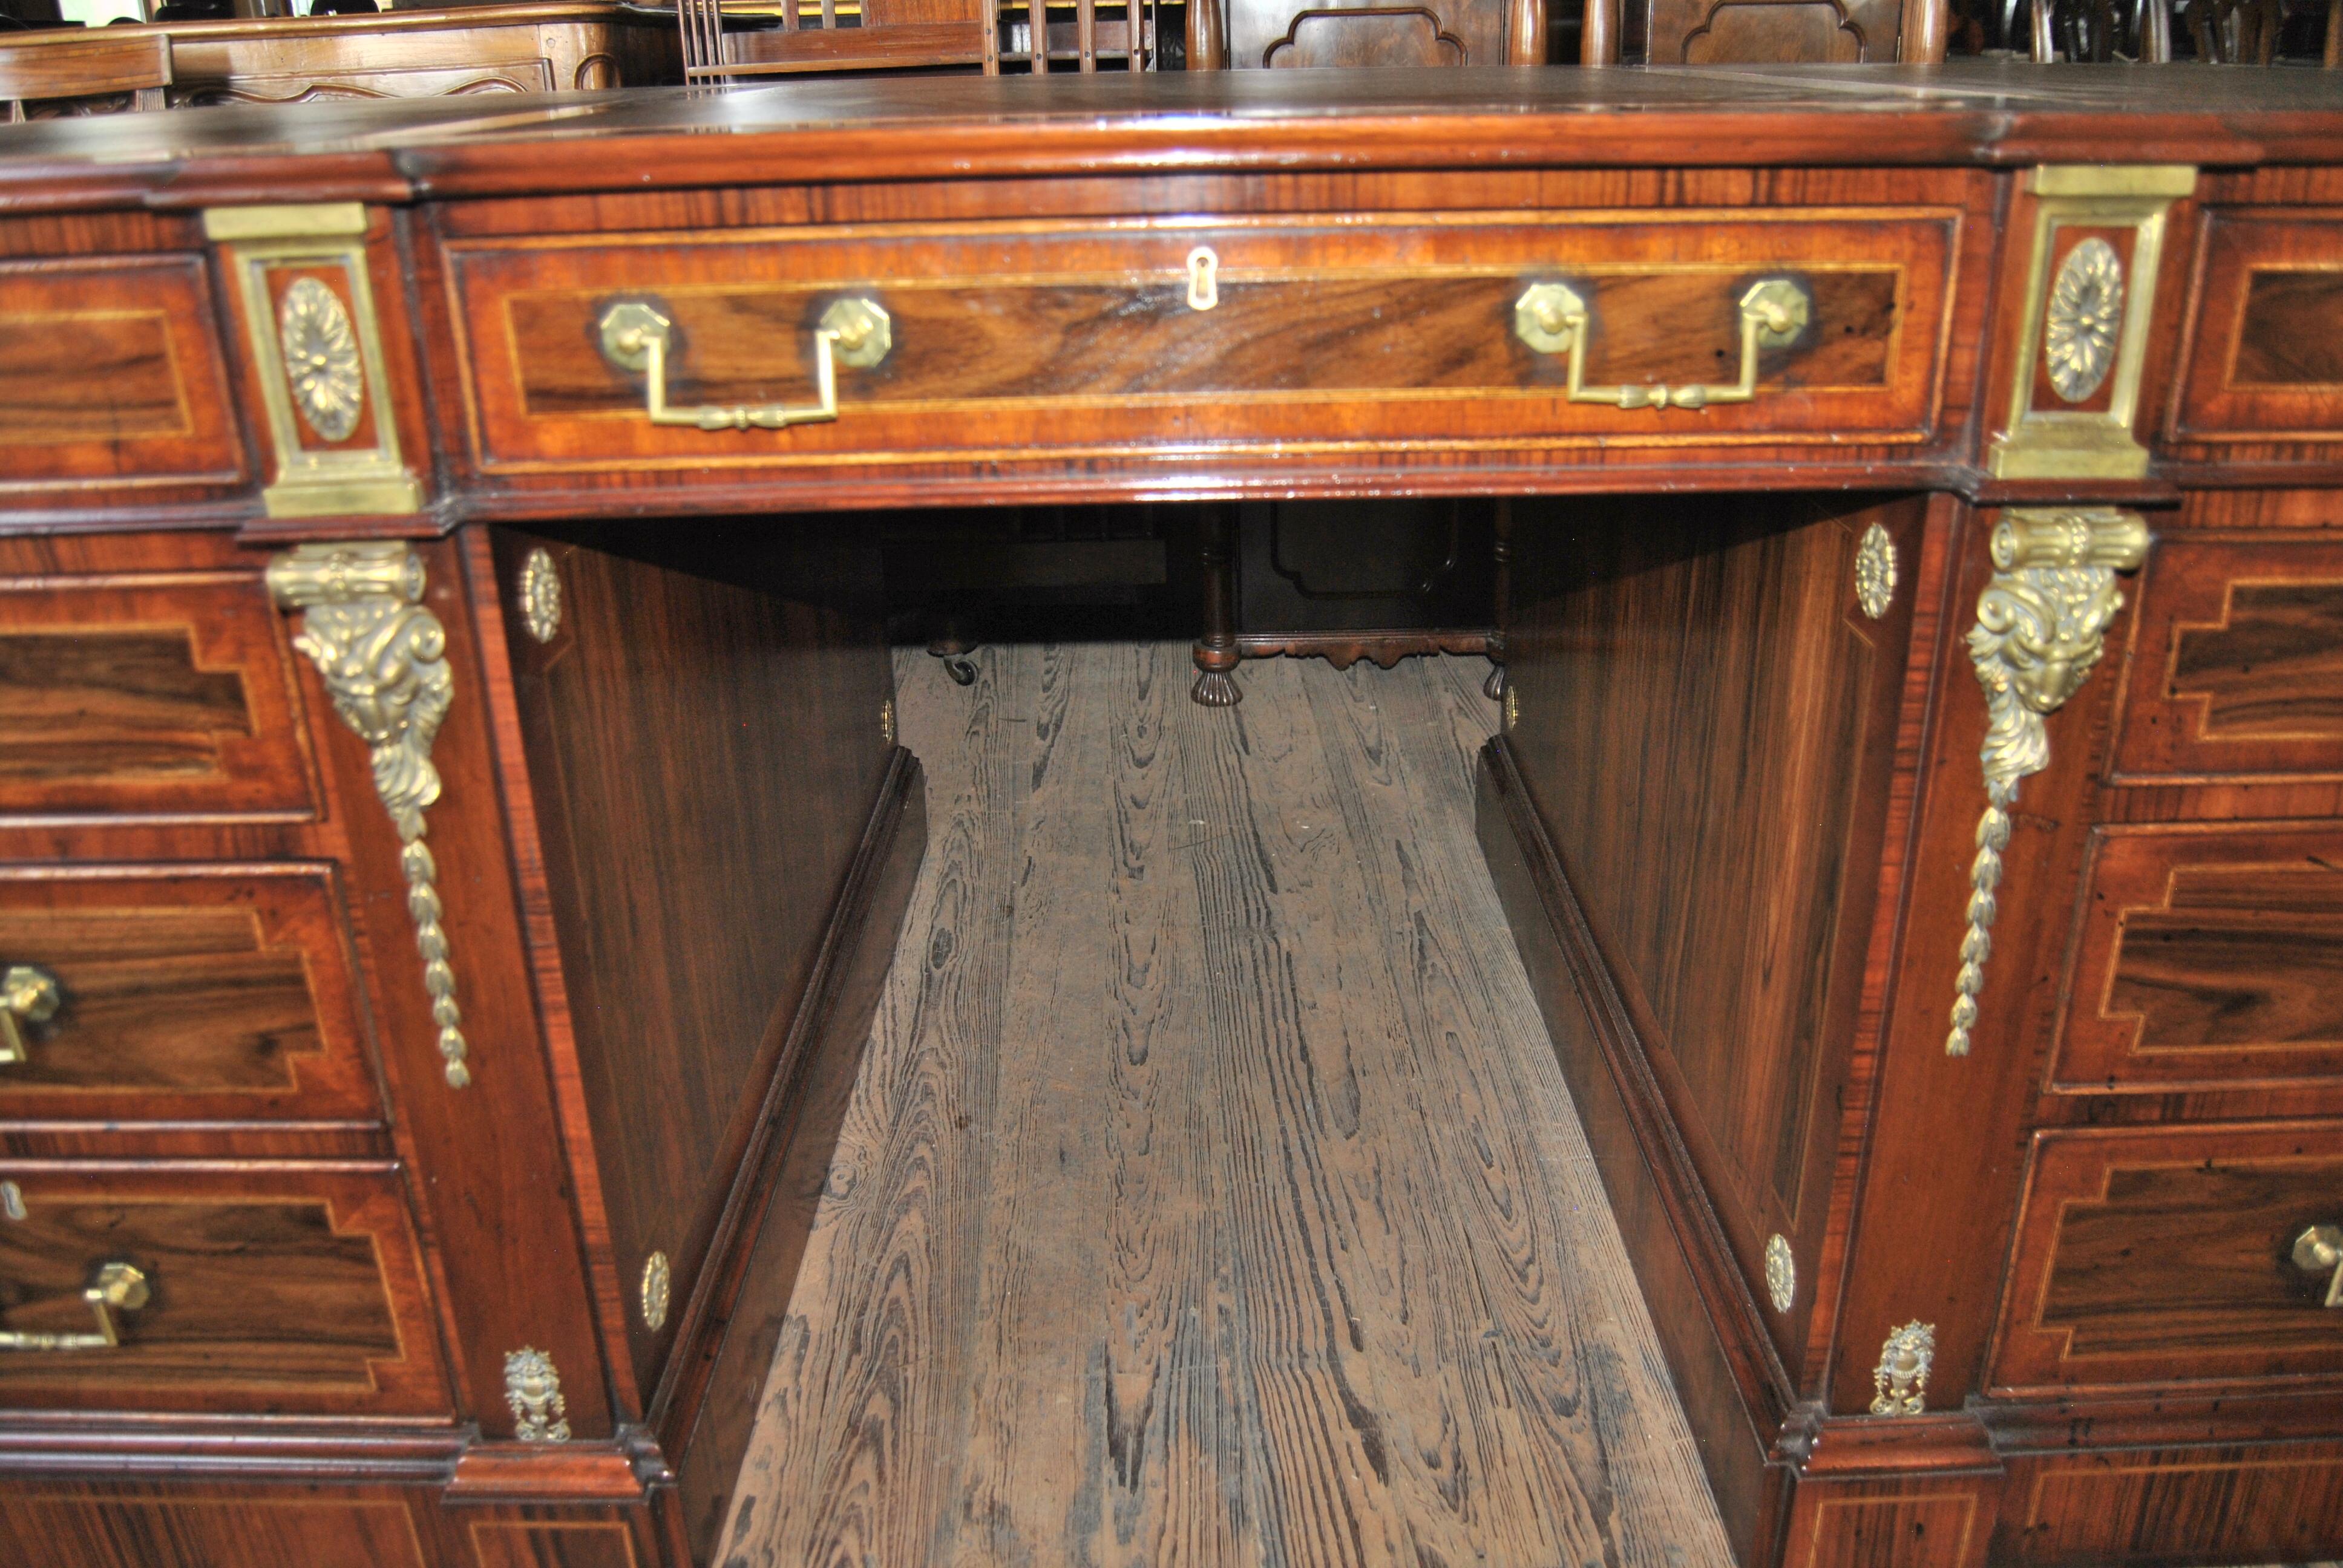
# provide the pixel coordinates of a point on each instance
(28, 994)
(2319, 1250)
(853, 331)
(1552, 318)
(117, 1287)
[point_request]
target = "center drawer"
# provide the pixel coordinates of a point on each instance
(1011, 341)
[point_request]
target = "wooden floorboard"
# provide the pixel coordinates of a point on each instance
(1211, 1195)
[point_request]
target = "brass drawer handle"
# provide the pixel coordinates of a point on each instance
(118, 1288)
(2319, 1250)
(28, 994)
(636, 337)
(1552, 318)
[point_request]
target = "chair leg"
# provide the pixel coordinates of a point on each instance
(1216, 652)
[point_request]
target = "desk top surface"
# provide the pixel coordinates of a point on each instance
(1965, 113)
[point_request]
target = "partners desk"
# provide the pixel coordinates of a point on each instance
(452, 826)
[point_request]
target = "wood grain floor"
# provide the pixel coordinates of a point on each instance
(1211, 1195)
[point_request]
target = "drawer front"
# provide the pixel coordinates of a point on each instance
(2204, 958)
(2266, 356)
(1020, 341)
(224, 994)
(270, 1288)
(110, 371)
(2165, 1255)
(149, 696)
(2237, 663)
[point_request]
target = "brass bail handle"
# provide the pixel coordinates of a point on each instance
(854, 331)
(2319, 1250)
(1552, 318)
(117, 1287)
(28, 994)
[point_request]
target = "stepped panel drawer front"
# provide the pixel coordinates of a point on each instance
(2172, 1255)
(110, 374)
(2206, 957)
(2265, 359)
(168, 993)
(170, 695)
(1018, 341)
(2237, 663)
(180, 1286)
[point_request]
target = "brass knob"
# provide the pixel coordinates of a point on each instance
(28, 994)
(2319, 1250)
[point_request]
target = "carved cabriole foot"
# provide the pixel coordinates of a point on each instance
(1494, 688)
(382, 658)
(2041, 627)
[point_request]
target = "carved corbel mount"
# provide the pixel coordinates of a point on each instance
(382, 658)
(2041, 627)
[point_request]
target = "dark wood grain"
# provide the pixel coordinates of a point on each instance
(112, 370)
(2205, 955)
(278, 1290)
(2150, 1256)
(688, 924)
(186, 997)
(67, 1524)
(147, 698)
(2237, 667)
(1705, 728)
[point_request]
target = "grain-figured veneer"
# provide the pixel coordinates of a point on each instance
(218, 993)
(280, 1288)
(2205, 955)
(114, 375)
(2161, 1255)
(138, 694)
(2236, 667)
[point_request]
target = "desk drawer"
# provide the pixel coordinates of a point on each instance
(176, 994)
(2266, 358)
(2165, 1255)
(268, 1288)
(1019, 341)
(162, 695)
(2237, 663)
(110, 371)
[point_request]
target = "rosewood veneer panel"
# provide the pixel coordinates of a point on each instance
(277, 1288)
(147, 695)
(2237, 669)
(1027, 341)
(2160, 1255)
(210, 993)
(705, 757)
(1702, 713)
(111, 374)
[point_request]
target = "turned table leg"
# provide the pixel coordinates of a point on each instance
(1216, 650)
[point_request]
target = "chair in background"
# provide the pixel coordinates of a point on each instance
(1245, 34)
(58, 75)
(871, 36)
(1762, 32)
(2219, 31)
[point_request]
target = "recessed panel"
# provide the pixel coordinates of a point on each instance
(184, 995)
(109, 372)
(146, 697)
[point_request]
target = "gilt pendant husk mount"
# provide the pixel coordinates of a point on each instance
(382, 658)
(2041, 627)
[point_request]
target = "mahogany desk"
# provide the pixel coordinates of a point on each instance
(451, 826)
